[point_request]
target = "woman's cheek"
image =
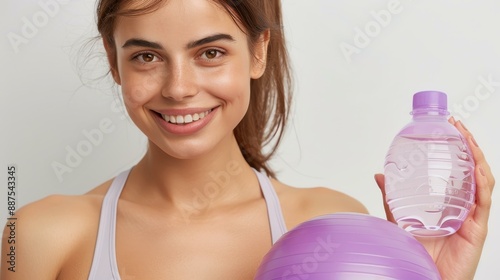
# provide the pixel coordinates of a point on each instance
(137, 93)
(231, 85)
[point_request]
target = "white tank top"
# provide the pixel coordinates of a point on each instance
(104, 266)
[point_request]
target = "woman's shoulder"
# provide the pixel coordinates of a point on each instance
(60, 209)
(48, 231)
(64, 210)
(62, 213)
(301, 204)
(54, 216)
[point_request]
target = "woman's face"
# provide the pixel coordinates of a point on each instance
(185, 74)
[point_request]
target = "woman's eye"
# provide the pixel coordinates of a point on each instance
(211, 54)
(146, 57)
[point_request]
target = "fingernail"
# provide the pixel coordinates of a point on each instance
(481, 170)
(473, 141)
(462, 125)
(452, 119)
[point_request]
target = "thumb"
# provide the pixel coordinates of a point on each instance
(380, 179)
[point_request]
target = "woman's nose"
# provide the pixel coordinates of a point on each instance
(180, 81)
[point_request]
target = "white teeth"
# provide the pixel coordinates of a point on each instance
(186, 118)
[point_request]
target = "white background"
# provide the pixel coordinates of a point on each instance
(347, 107)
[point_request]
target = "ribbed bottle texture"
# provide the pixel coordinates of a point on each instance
(429, 171)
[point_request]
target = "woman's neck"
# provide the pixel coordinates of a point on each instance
(217, 178)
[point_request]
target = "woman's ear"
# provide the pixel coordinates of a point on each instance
(113, 66)
(260, 55)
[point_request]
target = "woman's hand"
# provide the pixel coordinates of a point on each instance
(457, 255)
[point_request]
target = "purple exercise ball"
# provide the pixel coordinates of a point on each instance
(347, 246)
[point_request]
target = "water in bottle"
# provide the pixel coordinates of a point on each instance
(429, 171)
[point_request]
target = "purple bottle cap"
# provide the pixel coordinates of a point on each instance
(430, 100)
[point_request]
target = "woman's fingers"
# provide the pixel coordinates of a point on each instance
(485, 181)
(477, 153)
(452, 120)
(380, 179)
(483, 196)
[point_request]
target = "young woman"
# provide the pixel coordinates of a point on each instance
(207, 82)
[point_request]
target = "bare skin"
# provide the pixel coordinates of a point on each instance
(227, 240)
(163, 232)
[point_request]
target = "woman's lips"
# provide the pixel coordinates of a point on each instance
(185, 119)
(185, 122)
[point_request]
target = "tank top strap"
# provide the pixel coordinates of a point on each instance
(276, 219)
(104, 262)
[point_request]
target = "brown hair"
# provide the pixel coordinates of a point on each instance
(270, 99)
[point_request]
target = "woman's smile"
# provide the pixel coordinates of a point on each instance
(180, 122)
(185, 116)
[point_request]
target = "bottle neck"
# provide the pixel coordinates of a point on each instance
(430, 114)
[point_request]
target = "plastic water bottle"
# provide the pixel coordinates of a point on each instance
(429, 171)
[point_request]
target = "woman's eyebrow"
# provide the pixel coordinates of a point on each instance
(210, 39)
(193, 44)
(142, 43)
